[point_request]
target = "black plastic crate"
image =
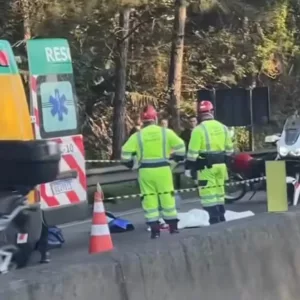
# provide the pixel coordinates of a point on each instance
(28, 162)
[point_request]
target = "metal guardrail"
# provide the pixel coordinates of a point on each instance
(119, 174)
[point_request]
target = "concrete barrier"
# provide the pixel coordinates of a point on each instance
(255, 258)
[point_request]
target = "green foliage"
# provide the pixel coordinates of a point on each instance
(242, 139)
(227, 43)
(278, 44)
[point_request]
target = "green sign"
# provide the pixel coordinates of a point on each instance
(54, 92)
(6, 53)
(49, 56)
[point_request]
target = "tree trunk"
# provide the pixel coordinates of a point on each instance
(175, 71)
(26, 19)
(120, 100)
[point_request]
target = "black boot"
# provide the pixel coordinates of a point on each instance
(173, 228)
(45, 257)
(155, 230)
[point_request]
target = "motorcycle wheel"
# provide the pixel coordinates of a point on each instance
(236, 192)
(24, 251)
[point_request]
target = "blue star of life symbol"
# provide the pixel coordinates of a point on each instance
(58, 105)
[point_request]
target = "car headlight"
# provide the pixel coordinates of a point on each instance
(296, 152)
(283, 151)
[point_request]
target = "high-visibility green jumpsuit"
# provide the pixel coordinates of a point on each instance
(152, 145)
(210, 136)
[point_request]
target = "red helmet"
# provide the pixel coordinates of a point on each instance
(241, 162)
(205, 106)
(149, 113)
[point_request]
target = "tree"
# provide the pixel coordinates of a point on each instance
(175, 73)
(120, 92)
(226, 43)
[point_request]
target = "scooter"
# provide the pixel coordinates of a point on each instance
(24, 165)
(288, 149)
(20, 229)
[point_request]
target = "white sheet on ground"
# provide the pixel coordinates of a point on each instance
(193, 218)
(200, 218)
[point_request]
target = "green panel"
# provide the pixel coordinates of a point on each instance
(12, 68)
(276, 186)
(49, 56)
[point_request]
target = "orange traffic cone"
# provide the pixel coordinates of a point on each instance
(100, 240)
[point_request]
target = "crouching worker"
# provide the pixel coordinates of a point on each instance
(152, 145)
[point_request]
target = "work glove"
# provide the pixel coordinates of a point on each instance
(177, 158)
(173, 164)
(128, 164)
(187, 173)
(135, 163)
(194, 174)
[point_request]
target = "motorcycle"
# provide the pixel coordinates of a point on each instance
(24, 165)
(287, 144)
(255, 170)
(235, 192)
(17, 220)
(288, 149)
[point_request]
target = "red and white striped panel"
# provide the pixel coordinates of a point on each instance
(72, 159)
(35, 108)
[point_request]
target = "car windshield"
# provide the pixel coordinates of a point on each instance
(292, 129)
(292, 122)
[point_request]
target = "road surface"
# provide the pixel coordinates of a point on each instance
(77, 234)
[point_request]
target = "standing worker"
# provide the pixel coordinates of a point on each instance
(164, 123)
(210, 143)
(185, 136)
(187, 132)
(153, 145)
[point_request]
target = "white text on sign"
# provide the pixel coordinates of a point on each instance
(58, 54)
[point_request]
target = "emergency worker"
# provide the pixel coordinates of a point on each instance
(207, 151)
(152, 145)
(164, 123)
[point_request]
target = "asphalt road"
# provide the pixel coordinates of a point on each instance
(77, 234)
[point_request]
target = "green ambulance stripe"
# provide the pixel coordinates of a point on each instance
(49, 56)
(12, 69)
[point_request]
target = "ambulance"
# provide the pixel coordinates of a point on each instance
(53, 108)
